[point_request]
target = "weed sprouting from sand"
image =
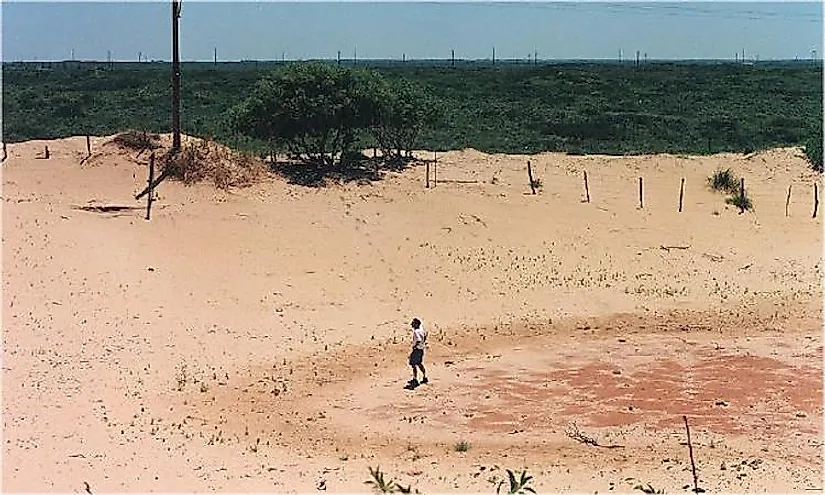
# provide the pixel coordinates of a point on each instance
(462, 446)
(724, 181)
(537, 183)
(379, 485)
(518, 484)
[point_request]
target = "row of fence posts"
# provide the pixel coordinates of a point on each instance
(533, 183)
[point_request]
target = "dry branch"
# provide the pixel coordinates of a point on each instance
(573, 432)
(668, 248)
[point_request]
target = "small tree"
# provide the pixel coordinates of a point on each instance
(313, 109)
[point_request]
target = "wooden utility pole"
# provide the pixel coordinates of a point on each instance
(216, 57)
(452, 57)
(175, 77)
(494, 55)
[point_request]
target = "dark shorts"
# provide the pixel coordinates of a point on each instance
(416, 357)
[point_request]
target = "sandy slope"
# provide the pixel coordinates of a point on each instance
(288, 307)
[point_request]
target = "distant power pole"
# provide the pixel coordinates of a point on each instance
(645, 58)
(620, 55)
(216, 57)
(140, 56)
(109, 58)
(355, 56)
(535, 57)
(339, 57)
(452, 57)
(637, 57)
(403, 57)
(494, 55)
(175, 77)
(736, 57)
(72, 54)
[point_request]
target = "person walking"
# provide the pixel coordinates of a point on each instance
(419, 339)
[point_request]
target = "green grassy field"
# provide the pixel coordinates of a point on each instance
(511, 108)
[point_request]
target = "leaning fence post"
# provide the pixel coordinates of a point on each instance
(681, 194)
(530, 176)
(427, 182)
(788, 200)
(586, 187)
(88, 146)
(816, 199)
(151, 189)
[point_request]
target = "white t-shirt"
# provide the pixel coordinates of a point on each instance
(419, 337)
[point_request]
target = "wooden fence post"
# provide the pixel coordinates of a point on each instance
(46, 153)
(428, 175)
(586, 187)
(151, 189)
(788, 200)
(88, 146)
(681, 194)
(742, 193)
(530, 176)
(641, 194)
(4, 152)
(435, 168)
(816, 199)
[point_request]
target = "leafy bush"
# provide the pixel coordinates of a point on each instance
(741, 201)
(462, 446)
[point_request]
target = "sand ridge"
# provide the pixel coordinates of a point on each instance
(255, 339)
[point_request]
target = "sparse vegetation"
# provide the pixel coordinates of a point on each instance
(813, 150)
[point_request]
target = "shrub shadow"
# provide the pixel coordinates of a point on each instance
(361, 169)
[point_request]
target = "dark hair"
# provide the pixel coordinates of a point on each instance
(416, 323)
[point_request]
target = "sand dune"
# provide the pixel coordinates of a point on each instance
(256, 339)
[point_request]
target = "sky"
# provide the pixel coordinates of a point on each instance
(48, 31)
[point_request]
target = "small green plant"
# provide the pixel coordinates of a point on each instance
(648, 489)
(537, 183)
(462, 446)
(518, 485)
(723, 180)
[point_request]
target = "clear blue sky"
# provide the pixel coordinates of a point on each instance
(264, 30)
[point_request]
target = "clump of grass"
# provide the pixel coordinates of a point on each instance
(137, 141)
(462, 446)
(537, 183)
(206, 160)
(741, 200)
(724, 181)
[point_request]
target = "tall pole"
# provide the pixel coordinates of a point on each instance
(216, 56)
(175, 77)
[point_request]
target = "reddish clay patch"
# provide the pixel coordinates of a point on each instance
(724, 393)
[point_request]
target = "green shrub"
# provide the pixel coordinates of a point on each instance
(741, 201)
(462, 446)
